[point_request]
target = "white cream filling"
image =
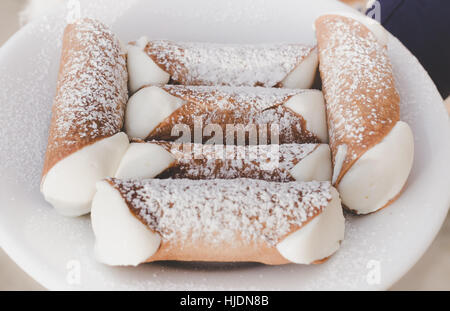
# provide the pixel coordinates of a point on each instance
(142, 42)
(319, 238)
(144, 160)
(315, 166)
(374, 26)
(339, 159)
(380, 173)
(70, 184)
(142, 70)
(147, 108)
(120, 238)
(302, 77)
(311, 106)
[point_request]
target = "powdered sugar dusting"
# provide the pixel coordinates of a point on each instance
(195, 63)
(91, 91)
(221, 210)
(246, 106)
(90, 99)
(228, 97)
(27, 90)
(266, 162)
(358, 84)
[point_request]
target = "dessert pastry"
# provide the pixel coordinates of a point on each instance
(269, 65)
(372, 149)
(281, 163)
(85, 144)
(236, 115)
(136, 221)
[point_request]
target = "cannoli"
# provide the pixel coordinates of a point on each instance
(372, 150)
(136, 221)
(268, 65)
(85, 144)
(282, 163)
(236, 115)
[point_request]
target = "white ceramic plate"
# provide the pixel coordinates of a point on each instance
(378, 249)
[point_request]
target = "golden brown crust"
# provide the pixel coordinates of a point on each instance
(320, 261)
(223, 253)
(194, 63)
(358, 84)
(91, 90)
(238, 110)
(186, 244)
(236, 251)
(265, 162)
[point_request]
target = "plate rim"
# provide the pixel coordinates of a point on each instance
(17, 253)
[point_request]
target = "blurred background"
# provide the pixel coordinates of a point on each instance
(432, 272)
